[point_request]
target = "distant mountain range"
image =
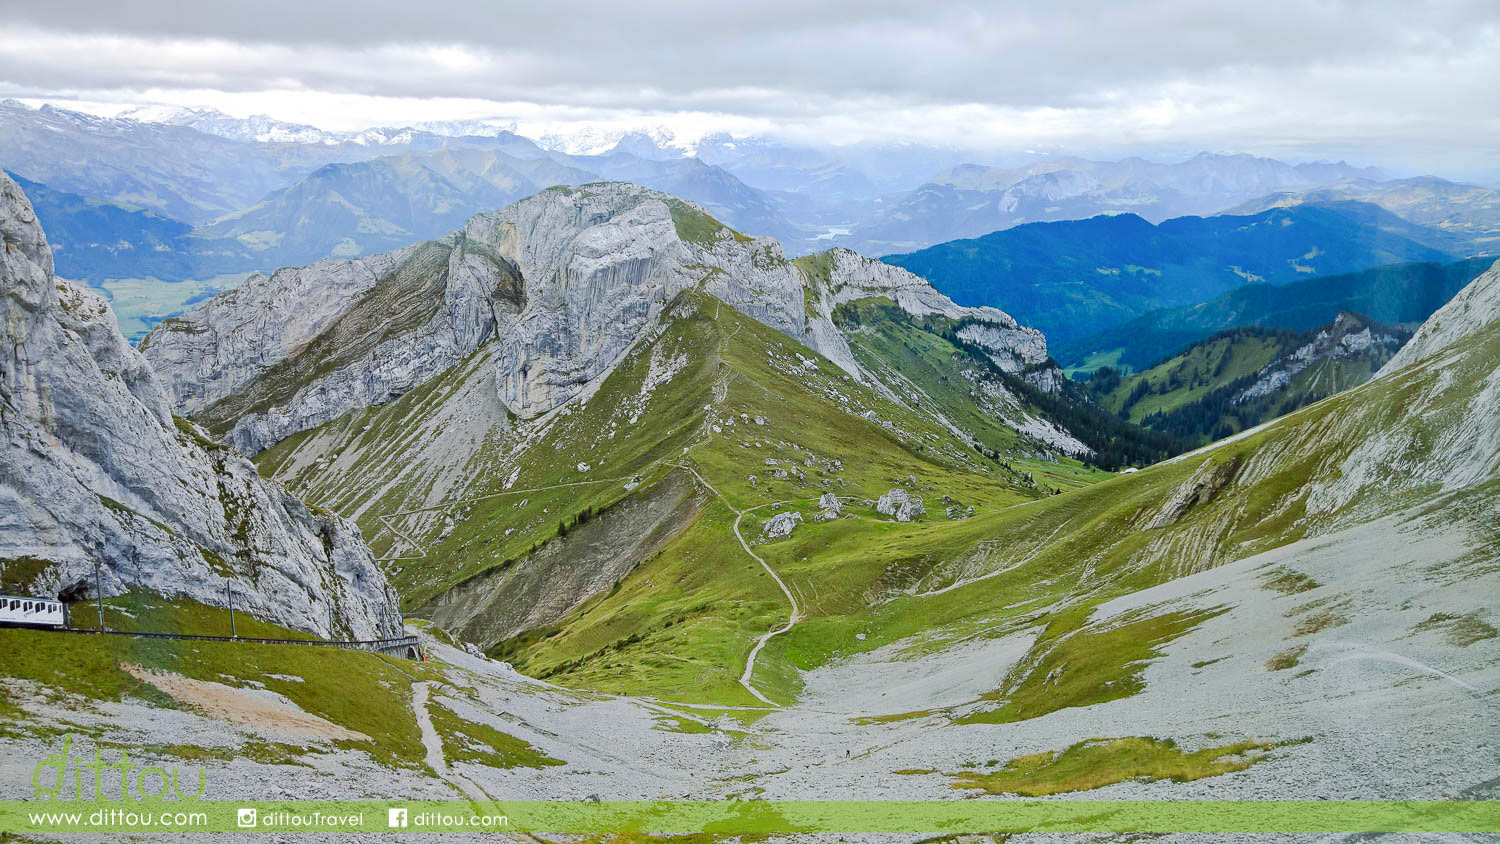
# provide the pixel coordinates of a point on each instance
(1397, 294)
(971, 200)
(231, 195)
(1072, 279)
(294, 194)
(262, 128)
(176, 171)
(347, 210)
(93, 238)
(1468, 212)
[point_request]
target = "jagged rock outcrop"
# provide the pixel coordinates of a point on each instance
(287, 352)
(1200, 489)
(900, 505)
(829, 507)
(1349, 335)
(844, 276)
(95, 467)
(781, 525)
(564, 282)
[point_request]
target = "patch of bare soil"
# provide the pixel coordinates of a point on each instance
(266, 713)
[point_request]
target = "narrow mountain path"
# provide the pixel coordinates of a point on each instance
(796, 614)
(433, 744)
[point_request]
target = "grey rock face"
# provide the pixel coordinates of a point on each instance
(289, 352)
(781, 525)
(1014, 348)
(900, 505)
(565, 283)
(96, 468)
(829, 507)
(1347, 336)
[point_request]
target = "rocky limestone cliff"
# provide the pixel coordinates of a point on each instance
(1348, 336)
(95, 467)
(565, 282)
(1012, 346)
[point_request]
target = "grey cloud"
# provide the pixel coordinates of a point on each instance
(655, 54)
(1276, 73)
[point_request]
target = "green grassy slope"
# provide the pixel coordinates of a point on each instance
(931, 367)
(680, 624)
(1190, 376)
(1306, 474)
(360, 691)
(449, 488)
(1240, 378)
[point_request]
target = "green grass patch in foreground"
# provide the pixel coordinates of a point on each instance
(1096, 763)
(470, 741)
(1073, 665)
(679, 724)
(364, 692)
(142, 611)
(1286, 659)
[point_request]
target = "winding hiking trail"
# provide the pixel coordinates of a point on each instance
(791, 621)
(432, 743)
(796, 614)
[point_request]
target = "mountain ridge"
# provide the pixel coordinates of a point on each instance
(666, 243)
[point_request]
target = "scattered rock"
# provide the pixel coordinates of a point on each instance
(781, 525)
(829, 507)
(900, 505)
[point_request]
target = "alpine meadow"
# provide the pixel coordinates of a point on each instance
(642, 424)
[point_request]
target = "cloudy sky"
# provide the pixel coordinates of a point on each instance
(1409, 85)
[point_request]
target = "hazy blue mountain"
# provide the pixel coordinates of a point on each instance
(94, 240)
(971, 199)
(1072, 279)
(360, 208)
(1396, 294)
(716, 189)
(179, 171)
(773, 166)
(174, 170)
(1467, 212)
